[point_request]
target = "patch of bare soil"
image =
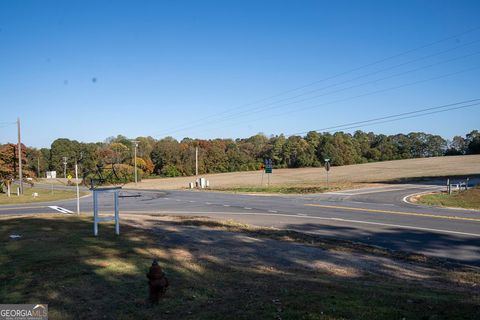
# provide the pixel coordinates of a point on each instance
(207, 241)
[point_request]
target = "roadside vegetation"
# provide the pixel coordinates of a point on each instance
(42, 195)
(112, 161)
(104, 277)
(469, 199)
(282, 189)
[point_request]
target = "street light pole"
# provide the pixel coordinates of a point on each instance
(65, 167)
(78, 191)
(135, 159)
(196, 161)
(76, 179)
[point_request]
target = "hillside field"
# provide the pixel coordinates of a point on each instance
(352, 175)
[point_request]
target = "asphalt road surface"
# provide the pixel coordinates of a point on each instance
(376, 215)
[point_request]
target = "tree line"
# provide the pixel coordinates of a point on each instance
(112, 160)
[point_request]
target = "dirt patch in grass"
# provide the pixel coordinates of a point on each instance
(219, 270)
(469, 199)
(43, 195)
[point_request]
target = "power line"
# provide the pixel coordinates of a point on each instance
(364, 94)
(413, 116)
(335, 76)
(270, 107)
(6, 124)
(399, 116)
(350, 87)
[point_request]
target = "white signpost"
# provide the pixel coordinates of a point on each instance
(52, 175)
(97, 218)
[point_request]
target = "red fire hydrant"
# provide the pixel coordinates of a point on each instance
(157, 282)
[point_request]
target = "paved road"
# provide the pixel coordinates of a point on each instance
(375, 216)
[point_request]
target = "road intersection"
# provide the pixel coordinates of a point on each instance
(377, 215)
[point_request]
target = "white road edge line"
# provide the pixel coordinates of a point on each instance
(60, 209)
(318, 218)
(405, 199)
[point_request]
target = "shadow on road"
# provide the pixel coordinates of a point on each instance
(432, 244)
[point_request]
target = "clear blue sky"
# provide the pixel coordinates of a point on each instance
(87, 70)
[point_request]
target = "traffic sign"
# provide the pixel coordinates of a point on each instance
(268, 165)
(327, 166)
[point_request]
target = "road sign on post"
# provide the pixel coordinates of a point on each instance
(268, 169)
(52, 175)
(268, 165)
(327, 168)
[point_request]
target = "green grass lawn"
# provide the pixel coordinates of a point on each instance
(469, 199)
(58, 261)
(43, 195)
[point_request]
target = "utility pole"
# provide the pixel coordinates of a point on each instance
(196, 161)
(135, 159)
(65, 167)
(76, 180)
(20, 176)
(38, 167)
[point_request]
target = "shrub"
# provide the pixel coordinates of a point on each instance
(170, 171)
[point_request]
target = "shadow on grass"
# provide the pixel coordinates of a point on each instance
(214, 274)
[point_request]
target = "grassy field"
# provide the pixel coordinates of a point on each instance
(344, 176)
(43, 195)
(469, 199)
(271, 274)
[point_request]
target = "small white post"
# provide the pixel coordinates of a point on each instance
(95, 214)
(117, 217)
(78, 191)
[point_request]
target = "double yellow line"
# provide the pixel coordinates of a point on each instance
(427, 215)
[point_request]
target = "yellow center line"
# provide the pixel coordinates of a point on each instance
(427, 215)
(21, 208)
